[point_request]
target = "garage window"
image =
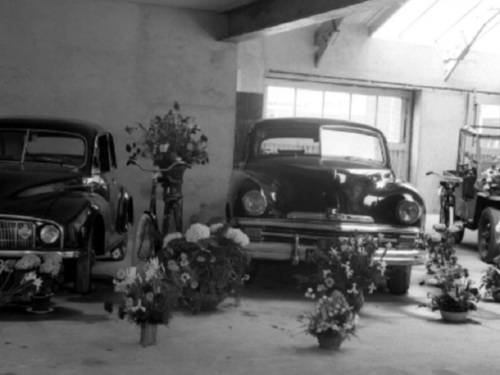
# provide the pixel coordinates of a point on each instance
(384, 111)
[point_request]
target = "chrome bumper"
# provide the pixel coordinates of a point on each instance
(295, 240)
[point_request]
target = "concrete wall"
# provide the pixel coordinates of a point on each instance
(440, 107)
(118, 63)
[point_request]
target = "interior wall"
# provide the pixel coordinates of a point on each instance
(118, 63)
(355, 58)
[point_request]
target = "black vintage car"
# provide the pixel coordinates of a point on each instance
(59, 193)
(303, 179)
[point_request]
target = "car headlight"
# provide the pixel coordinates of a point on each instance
(408, 212)
(49, 234)
(254, 203)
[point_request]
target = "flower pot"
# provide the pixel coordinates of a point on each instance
(148, 334)
(329, 340)
(454, 316)
(41, 304)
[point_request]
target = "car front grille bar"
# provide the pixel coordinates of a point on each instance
(17, 234)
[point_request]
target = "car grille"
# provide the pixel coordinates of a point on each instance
(17, 234)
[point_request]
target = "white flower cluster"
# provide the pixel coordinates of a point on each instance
(197, 232)
(238, 237)
(169, 237)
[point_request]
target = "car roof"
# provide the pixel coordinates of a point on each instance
(84, 128)
(310, 121)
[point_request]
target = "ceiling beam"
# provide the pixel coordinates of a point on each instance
(267, 17)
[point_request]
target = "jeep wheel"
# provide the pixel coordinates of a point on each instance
(459, 236)
(83, 274)
(487, 238)
(398, 279)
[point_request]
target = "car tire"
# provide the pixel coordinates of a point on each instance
(487, 237)
(83, 272)
(398, 279)
(144, 242)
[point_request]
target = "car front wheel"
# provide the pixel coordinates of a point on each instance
(487, 237)
(83, 274)
(398, 279)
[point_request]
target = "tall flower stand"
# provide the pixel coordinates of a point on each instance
(148, 334)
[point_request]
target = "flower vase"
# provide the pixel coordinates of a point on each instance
(454, 316)
(148, 334)
(329, 340)
(41, 304)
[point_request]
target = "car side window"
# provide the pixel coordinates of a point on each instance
(112, 154)
(103, 153)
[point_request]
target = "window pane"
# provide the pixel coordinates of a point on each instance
(389, 112)
(489, 114)
(309, 103)
(280, 101)
(363, 109)
(337, 105)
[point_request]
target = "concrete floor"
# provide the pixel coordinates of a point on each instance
(261, 336)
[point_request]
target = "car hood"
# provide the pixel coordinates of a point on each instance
(29, 190)
(309, 184)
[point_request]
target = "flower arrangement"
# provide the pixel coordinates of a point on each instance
(46, 268)
(490, 281)
(147, 296)
(456, 291)
(168, 138)
(331, 315)
(208, 262)
(440, 246)
(15, 283)
(347, 264)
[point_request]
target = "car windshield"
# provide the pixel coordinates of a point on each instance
(347, 143)
(42, 146)
(328, 141)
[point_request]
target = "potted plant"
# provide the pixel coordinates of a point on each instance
(347, 264)
(457, 296)
(208, 261)
(16, 283)
(166, 139)
(441, 245)
(332, 321)
(47, 268)
(147, 297)
(490, 281)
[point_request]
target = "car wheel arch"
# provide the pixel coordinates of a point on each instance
(99, 235)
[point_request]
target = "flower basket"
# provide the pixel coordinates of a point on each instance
(41, 304)
(208, 262)
(330, 340)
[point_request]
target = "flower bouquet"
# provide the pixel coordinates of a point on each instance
(167, 139)
(209, 263)
(457, 296)
(348, 265)
(16, 283)
(490, 281)
(331, 321)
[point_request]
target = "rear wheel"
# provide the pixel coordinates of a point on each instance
(83, 273)
(144, 245)
(398, 279)
(487, 237)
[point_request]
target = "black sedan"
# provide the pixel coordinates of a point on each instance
(303, 179)
(59, 193)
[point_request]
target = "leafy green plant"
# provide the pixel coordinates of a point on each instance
(490, 281)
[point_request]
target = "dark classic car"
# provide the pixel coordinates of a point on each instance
(58, 193)
(302, 180)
